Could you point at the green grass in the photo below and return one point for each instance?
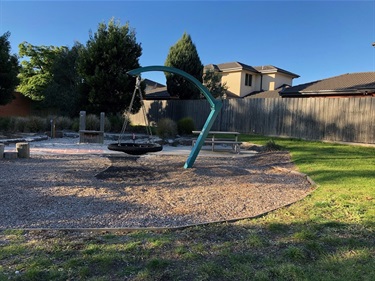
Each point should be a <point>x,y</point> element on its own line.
<point>327,236</point>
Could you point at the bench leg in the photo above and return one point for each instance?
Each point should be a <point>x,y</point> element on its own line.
<point>237,148</point>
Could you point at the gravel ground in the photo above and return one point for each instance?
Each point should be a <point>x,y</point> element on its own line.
<point>120,191</point>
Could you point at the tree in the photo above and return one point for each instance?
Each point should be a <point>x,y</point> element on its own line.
<point>183,55</point>
<point>109,54</point>
<point>212,80</point>
<point>36,71</point>
<point>8,70</point>
<point>62,92</point>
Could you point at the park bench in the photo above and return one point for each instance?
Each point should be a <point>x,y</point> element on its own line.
<point>213,139</point>
<point>90,136</point>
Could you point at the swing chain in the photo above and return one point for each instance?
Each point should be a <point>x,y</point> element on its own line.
<point>127,113</point>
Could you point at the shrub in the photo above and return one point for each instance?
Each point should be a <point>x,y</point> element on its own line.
<point>5,123</point>
<point>185,126</point>
<point>116,122</point>
<point>19,125</point>
<point>63,123</point>
<point>107,124</point>
<point>12,124</point>
<point>166,128</point>
<point>35,124</point>
<point>272,146</point>
<point>75,125</point>
<point>92,122</point>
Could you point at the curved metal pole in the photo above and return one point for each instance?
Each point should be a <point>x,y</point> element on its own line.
<point>215,106</point>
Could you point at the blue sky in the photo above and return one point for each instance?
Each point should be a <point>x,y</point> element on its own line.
<point>314,39</point>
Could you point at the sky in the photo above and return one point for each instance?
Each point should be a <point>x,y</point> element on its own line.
<point>313,39</point>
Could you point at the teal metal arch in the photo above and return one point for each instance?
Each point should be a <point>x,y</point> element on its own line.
<point>215,105</point>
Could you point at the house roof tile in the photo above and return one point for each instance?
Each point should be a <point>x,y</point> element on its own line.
<point>235,66</point>
<point>272,69</point>
<point>231,66</point>
<point>360,82</point>
<point>264,94</point>
<point>152,84</point>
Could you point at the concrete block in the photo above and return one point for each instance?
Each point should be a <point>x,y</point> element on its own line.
<point>23,149</point>
<point>10,154</point>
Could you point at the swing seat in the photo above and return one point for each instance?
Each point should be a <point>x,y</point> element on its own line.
<point>135,148</point>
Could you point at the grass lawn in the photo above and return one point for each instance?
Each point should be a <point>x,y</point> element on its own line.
<point>327,236</point>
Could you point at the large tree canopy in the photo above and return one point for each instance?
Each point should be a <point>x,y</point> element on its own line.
<point>183,55</point>
<point>8,70</point>
<point>62,93</point>
<point>36,71</point>
<point>109,54</point>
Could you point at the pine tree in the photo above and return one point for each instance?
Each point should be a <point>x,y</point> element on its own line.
<point>184,56</point>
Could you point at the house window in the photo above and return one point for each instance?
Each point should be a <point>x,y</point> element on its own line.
<point>248,79</point>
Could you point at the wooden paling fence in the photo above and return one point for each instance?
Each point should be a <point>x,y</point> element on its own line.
<point>330,119</point>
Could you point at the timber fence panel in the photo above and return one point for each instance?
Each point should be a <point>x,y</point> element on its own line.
<point>368,114</point>
<point>233,107</point>
<point>362,122</point>
<point>294,129</point>
<point>371,122</point>
<point>310,122</point>
<point>241,116</point>
<point>261,117</point>
<point>370,132</point>
<point>223,116</point>
<point>365,121</point>
<point>331,119</point>
<point>299,131</point>
<point>250,126</point>
<point>318,117</point>
<point>255,126</point>
<point>285,119</point>
<point>271,115</point>
<point>346,120</point>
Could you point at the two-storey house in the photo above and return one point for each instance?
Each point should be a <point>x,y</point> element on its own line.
<point>243,80</point>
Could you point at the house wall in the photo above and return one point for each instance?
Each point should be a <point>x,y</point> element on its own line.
<point>269,81</point>
<point>233,81</point>
<point>236,82</point>
<point>272,81</point>
<point>255,84</point>
<point>20,106</point>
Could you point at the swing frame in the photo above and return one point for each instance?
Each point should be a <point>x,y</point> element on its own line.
<point>135,148</point>
<point>215,105</point>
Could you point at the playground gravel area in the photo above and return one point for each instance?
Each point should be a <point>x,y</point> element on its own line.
<point>72,186</point>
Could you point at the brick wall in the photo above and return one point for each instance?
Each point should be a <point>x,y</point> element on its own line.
<point>20,106</point>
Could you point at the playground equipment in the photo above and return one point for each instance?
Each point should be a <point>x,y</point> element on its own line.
<point>214,104</point>
<point>135,148</point>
